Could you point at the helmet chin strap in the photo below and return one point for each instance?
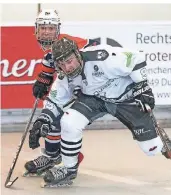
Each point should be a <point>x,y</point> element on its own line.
<point>77,71</point>
<point>46,44</point>
<point>71,75</point>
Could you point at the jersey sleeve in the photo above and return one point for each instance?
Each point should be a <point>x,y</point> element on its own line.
<point>128,63</point>
<point>139,69</point>
<point>60,92</point>
<point>48,64</point>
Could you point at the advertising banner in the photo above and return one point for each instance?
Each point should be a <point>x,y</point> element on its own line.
<point>21,56</point>
<point>20,63</point>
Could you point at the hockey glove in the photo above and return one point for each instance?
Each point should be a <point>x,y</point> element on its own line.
<point>42,86</point>
<point>77,91</point>
<point>41,128</point>
<point>143,95</point>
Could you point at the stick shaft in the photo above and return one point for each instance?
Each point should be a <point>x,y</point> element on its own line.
<point>21,143</point>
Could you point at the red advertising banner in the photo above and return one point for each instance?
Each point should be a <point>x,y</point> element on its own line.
<point>21,57</point>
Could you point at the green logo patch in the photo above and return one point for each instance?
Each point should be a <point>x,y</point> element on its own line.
<point>129,58</point>
<point>53,93</point>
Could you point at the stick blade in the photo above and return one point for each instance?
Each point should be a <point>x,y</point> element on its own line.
<point>10,183</point>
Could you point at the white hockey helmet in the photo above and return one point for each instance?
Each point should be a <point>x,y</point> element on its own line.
<point>47,27</point>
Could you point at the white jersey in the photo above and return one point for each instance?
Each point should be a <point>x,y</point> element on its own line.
<point>62,90</point>
<point>109,73</point>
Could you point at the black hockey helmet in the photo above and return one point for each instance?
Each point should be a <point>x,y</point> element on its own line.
<point>62,49</point>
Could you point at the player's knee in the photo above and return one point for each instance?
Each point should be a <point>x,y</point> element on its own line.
<point>151,147</point>
<point>72,123</point>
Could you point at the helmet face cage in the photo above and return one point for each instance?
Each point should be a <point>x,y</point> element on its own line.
<point>47,28</point>
<point>61,50</point>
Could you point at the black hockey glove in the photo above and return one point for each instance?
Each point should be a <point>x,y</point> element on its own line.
<point>143,95</point>
<point>42,86</point>
<point>41,128</point>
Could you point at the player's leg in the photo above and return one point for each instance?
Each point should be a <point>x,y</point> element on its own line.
<point>142,127</point>
<point>74,120</point>
<point>51,153</point>
<point>166,151</point>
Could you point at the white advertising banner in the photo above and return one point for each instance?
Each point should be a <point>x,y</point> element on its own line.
<point>152,38</point>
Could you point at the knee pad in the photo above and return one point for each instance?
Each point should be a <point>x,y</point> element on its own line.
<point>72,124</point>
<point>151,147</point>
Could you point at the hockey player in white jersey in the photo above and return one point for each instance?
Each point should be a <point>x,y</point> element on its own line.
<point>113,81</point>
<point>47,30</point>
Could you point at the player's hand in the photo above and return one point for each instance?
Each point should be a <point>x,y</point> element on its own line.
<point>77,91</point>
<point>144,96</point>
<point>41,128</point>
<point>42,86</point>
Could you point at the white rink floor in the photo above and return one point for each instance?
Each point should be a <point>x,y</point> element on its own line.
<point>113,164</point>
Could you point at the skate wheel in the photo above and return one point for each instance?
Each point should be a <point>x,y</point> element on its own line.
<point>46,185</point>
<point>69,183</point>
<point>25,174</point>
<point>43,184</point>
<point>40,173</point>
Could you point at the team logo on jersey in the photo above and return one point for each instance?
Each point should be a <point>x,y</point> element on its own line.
<point>53,93</point>
<point>96,72</point>
<point>49,105</point>
<point>102,55</point>
<point>129,58</point>
<point>96,68</point>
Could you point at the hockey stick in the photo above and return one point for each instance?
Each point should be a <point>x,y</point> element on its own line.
<point>70,101</point>
<point>9,183</point>
<point>161,132</point>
